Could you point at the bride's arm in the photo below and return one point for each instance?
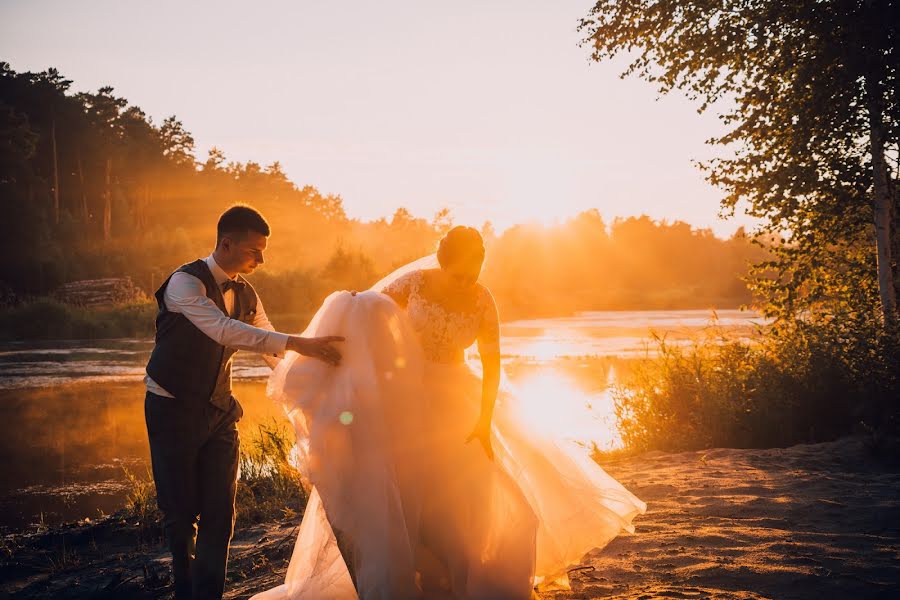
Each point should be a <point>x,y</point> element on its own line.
<point>490,364</point>
<point>489,350</point>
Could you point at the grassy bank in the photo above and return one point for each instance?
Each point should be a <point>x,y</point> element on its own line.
<point>46,319</point>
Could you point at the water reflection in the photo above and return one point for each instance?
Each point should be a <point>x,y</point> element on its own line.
<point>557,403</point>
<point>73,419</point>
<point>618,333</point>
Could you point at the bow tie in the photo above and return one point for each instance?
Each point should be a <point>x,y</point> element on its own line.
<point>232,284</point>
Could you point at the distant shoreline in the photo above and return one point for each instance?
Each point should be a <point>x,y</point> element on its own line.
<point>45,319</point>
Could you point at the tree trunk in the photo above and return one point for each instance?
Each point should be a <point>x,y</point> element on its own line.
<point>882,203</point>
<point>85,215</point>
<point>141,200</point>
<point>55,171</point>
<point>144,205</point>
<point>895,237</point>
<point>107,202</point>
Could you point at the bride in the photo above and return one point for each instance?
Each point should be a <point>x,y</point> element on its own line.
<point>427,480</point>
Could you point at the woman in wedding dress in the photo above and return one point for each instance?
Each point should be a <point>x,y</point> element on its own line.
<point>427,472</point>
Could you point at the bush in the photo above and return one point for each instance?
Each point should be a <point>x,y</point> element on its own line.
<point>799,382</point>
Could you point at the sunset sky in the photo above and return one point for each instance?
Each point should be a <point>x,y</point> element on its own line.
<point>488,108</point>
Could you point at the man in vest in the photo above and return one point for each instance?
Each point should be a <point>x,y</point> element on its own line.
<point>207,312</point>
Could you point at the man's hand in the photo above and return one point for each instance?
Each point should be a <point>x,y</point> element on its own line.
<point>318,347</point>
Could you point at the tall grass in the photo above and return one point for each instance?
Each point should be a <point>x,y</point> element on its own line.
<point>140,505</point>
<point>268,487</point>
<point>800,382</point>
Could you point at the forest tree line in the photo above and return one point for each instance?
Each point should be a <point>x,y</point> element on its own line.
<point>92,187</point>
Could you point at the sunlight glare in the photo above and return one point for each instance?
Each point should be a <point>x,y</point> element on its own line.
<point>553,402</point>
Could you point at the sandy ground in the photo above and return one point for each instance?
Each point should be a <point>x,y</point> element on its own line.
<point>811,521</point>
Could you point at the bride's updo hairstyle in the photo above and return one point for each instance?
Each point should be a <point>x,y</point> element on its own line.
<point>461,245</point>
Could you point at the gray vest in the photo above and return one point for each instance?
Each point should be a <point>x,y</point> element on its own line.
<point>185,361</point>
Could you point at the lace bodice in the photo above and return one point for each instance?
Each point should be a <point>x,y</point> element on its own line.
<point>446,334</point>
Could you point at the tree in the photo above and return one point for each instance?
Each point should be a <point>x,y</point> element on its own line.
<point>49,113</point>
<point>141,160</point>
<point>276,172</point>
<point>215,160</point>
<point>488,233</point>
<point>177,142</point>
<point>402,218</point>
<point>17,147</point>
<point>813,106</point>
<point>443,221</point>
<point>54,86</point>
<point>103,110</point>
<point>331,207</point>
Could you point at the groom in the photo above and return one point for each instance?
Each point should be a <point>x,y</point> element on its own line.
<point>207,312</point>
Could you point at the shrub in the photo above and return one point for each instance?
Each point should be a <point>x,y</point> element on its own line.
<point>800,382</point>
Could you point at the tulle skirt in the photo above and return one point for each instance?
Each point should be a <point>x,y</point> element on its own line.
<point>422,513</point>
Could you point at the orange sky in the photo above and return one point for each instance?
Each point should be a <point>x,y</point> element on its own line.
<point>488,108</point>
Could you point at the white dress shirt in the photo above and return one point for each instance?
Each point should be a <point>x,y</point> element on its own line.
<point>186,294</point>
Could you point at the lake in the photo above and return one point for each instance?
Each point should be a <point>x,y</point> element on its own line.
<point>72,412</point>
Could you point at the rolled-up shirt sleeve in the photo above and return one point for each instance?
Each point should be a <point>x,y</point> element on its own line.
<point>187,295</point>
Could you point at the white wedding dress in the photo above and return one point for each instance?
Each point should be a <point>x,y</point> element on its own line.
<point>426,515</point>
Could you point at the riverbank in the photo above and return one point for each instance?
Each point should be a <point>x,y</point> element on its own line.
<point>809,521</point>
<point>46,318</point>
<point>49,319</point>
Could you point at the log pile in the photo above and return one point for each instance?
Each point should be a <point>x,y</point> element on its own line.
<point>98,293</point>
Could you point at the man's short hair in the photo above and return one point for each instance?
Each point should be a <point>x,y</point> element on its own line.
<point>240,219</point>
